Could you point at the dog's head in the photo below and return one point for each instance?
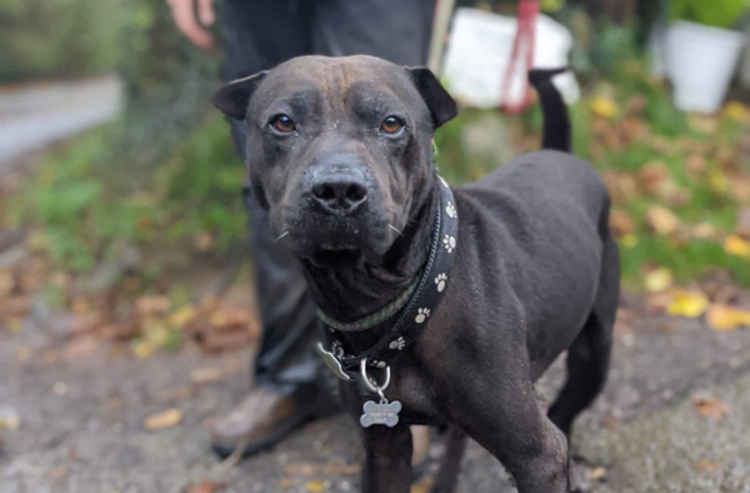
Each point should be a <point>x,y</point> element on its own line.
<point>339,150</point>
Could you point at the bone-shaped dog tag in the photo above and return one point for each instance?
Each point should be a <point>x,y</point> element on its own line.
<point>380,413</point>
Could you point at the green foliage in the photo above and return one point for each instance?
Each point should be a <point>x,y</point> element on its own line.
<point>53,38</point>
<point>81,215</point>
<point>717,13</point>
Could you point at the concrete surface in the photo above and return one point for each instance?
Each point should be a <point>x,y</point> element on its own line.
<point>81,421</point>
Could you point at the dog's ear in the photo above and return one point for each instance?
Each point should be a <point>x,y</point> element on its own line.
<point>441,104</point>
<point>234,97</point>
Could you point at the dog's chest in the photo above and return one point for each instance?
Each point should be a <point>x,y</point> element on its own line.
<point>411,387</point>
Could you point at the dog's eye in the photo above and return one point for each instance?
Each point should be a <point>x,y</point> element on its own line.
<point>392,125</point>
<point>283,124</point>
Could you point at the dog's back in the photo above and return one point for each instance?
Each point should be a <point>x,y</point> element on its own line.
<point>549,214</point>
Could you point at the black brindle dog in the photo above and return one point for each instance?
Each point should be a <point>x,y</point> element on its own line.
<point>340,152</point>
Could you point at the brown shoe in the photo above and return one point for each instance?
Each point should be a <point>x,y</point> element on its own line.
<point>264,418</point>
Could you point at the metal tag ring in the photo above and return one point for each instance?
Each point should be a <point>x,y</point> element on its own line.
<point>378,389</point>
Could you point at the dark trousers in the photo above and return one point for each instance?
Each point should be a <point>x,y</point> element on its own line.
<point>259,34</point>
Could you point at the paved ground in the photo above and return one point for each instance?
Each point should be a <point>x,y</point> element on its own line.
<point>81,421</point>
<point>32,116</point>
<point>78,407</point>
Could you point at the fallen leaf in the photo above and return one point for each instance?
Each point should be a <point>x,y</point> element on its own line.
<point>710,407</point>
<point>621,223</point>
<point>164,419</point>
<point>315,486</point>
<point>707,124</point>
<point>205,375</point>
<point>704,231</point>
<point>621,186</point>
<point>737,111</point>
<point>629,241</point>
<point>205,487</point>
<point>696,164</point>
<point>203,241</point>
<point>23,353</point>
<point>598,473</point>
<point>689,304</point>
<point>182,316</point>
<point>150,304</point>
<point>330,469</point>
<point>604,107</point>
<point>143,348</point>
<point>662,220</point>
<point>717,180</point>
<point>735,245</point>
<point>652,175</point>
<point>706,465</point>
<point>724,318</point>
<point>81,347</point>
<point>658,280</point>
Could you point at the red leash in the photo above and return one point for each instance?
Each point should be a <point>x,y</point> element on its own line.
<point>527,14</point>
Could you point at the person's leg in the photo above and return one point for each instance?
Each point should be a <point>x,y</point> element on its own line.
<point>396,30</point>
<point>257,36</point>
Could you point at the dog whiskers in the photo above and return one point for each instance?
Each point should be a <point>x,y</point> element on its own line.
<point>394,228</point>
<point>282,236</point>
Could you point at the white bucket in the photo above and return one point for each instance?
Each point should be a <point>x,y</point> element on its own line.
<point>479,50</point>
<point>700,63</point>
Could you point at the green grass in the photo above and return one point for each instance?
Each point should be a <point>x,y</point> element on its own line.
<point>80,215</point>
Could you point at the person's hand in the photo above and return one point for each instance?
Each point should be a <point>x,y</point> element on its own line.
<point>183,12</point>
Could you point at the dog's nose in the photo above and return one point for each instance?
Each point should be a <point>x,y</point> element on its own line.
<point>341,193</point>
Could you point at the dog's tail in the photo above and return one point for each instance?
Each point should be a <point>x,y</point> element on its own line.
<point>556,133</point>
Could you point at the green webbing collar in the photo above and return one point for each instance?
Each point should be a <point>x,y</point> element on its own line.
<point>374,319</point>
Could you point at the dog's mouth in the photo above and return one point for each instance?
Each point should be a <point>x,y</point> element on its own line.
<point>336,256</point>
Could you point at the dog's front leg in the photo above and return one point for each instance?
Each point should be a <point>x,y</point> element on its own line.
<point>387,459</point>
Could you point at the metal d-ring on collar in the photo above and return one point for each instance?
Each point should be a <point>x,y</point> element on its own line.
<point>378,389</point>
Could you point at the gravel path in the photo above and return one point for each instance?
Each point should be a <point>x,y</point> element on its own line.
<point>81,408</point>
<point>32,116</point>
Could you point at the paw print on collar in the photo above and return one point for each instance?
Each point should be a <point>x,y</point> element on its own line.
<point>422,315</point>
<point>398,344</point>
<point>450,210</point>
<point>440,281</point>
<point>449,242</point>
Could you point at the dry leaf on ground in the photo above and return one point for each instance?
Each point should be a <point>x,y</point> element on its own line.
<point>658,280</point>
<point>182,316</point>
<point>205,487</point>
<point>315,486</point>
<point>149,305</point>
<point>621,222</point>
<point>710,407</point>
<point>164,419</point>
<point>735,245</point>
<point>662,220</point>
<point>205,375</point>
<point>686,303</point>
<point>652,176</point>
<point>604,107</point>
<point>706,465</point>
<point>724,318</point>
